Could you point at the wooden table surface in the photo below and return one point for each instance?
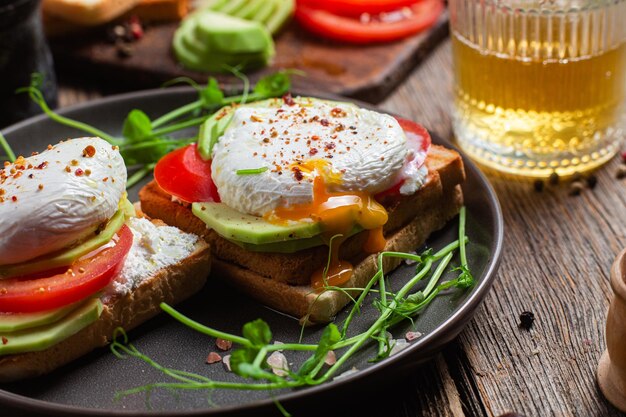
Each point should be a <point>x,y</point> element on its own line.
<point>558,250</point>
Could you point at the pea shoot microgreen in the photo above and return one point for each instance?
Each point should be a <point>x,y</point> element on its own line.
<point>144,141</point>
<point>249,359</point>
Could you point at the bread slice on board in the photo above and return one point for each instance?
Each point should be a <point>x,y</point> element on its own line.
<point>281,280</point>
<point>171,285</point>
<point>87,12</point>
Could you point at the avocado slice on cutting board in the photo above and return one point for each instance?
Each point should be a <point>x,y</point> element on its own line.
<point>245,228</point>
<point>42,337</point>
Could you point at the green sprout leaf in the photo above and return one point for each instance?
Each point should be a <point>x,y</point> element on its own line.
<point>212,95</point>
<point>257,332</point>
<point>330,336</point>
<point>137,126</point>
<point>272,85</point>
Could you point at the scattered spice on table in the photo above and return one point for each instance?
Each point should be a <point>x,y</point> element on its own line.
<point>526,320</point>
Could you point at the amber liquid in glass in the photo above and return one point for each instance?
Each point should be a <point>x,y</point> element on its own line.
<point>539,95</point>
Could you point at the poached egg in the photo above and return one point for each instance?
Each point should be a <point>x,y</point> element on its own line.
<point>53,199</point>
<point>357,149</point>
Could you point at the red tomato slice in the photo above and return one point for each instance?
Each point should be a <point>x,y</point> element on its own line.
<point>418,137</point>
<point>357,7</point>
<point>185,175</point>
<point>27,294</point>
<point>378,29</point>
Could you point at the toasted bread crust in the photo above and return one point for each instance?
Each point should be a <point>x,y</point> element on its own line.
<point>171,285</point>
<point>281,280</point>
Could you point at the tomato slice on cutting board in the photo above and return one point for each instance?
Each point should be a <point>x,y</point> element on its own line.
<point>80,280</point>
<point>357,7</point>
<point>185,175</point>
<point>376,28</point>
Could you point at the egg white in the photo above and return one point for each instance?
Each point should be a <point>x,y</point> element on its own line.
<point>60,197</point>
<point>365,148</point>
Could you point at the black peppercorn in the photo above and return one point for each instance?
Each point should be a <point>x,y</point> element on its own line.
<point>526,320</point>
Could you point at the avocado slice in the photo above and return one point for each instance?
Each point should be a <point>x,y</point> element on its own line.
<point>12,322</point>
<point>42,337</point>
<point>67,256</point>
<point>224,33</point>
<point>209,41</point>
<point>282,11</point>
<point>233,225</point>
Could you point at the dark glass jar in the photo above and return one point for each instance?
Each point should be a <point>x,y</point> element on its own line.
<point>23,51</point>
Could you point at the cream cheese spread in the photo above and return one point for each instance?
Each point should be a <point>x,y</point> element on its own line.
<point>365,149</point>
<point>50,200</point>
<point>153,248</point>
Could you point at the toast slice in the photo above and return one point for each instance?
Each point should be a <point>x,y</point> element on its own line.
<point>87,13</point>
<point>170,284</point>
<point>281,280</point>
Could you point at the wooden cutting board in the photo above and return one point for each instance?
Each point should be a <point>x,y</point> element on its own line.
<point>368,72</point>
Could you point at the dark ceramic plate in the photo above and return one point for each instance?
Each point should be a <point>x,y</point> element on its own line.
<point>88,386</point>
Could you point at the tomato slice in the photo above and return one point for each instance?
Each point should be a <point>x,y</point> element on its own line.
<point>418,138</point>
<point>357,7</point>
<point>379,28</point>
<point>87,276</point>
<point>185,175</point>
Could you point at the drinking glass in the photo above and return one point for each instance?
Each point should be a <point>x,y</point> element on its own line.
<point>539,85</point>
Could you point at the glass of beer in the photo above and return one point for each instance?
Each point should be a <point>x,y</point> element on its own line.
<point>540,86</point>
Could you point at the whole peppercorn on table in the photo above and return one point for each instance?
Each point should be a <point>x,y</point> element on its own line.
<point>533,346</point>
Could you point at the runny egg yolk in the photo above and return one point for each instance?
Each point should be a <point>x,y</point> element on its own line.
<point>338,213</point>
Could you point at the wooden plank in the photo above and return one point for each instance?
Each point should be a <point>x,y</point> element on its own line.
<point>557,255</point>
<point>367,72</point>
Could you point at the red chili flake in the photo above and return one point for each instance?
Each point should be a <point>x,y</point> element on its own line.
<point>42,165</point>
<point>223,344</point>
<point>115,147</point>
<point>31,176</point>
<point>14,198</point>
<point>337,112</point>
<point>624,157</point>
<point>324,122</point>
<point>34,153</point>
<point>266,140</point>
<point>329,145</point>
<point>105,179</point>
<point>68,169</point>
<point>74,162</point>
<point>288,100</point>
<point>136,30</point>
<point>2,191</point>
<point>40,187</point>
<point>89,151</point>
<point>79,172</point>
<point>315,137</point>
<point>313,151</point>
<point>297,173</point>
<point>49,147</point>
<point>213,357</point>
<point>4,340</point>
